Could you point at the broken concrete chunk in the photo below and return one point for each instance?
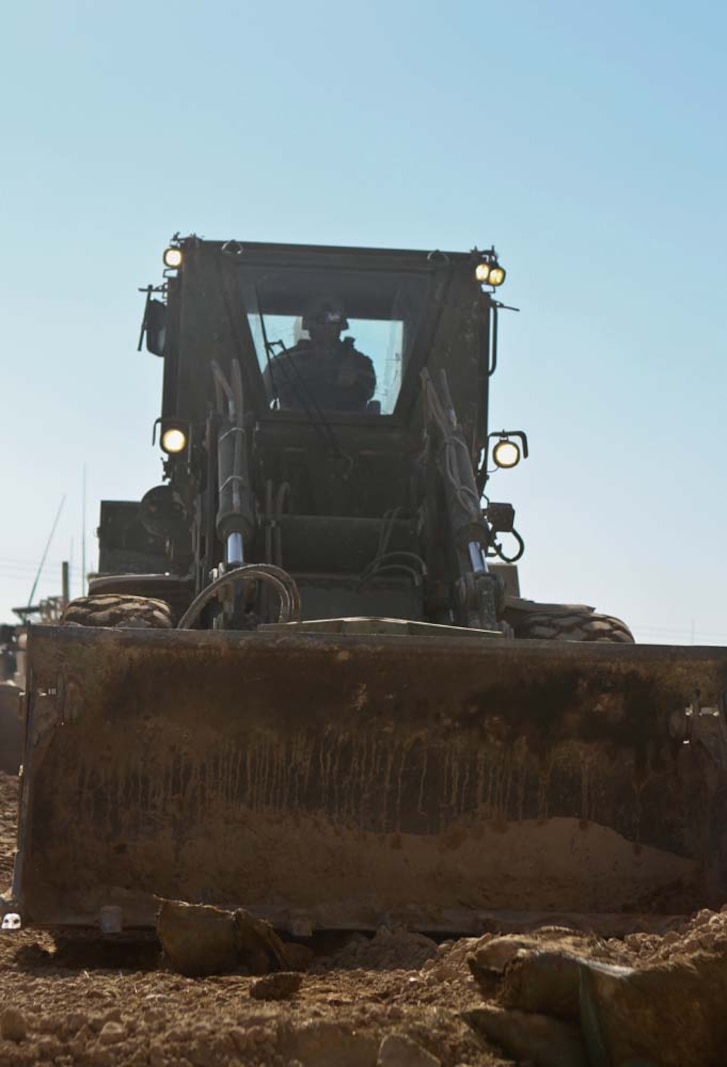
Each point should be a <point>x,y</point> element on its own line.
<point>669,1013</point>
<point>279,986</point>
<point>543,1041</point>
<point>259,949</point>
<point>494,954</point>
<point>545,982</point>
<point>199,940</point>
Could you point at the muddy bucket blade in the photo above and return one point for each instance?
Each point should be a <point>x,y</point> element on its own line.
<point>350,779</point>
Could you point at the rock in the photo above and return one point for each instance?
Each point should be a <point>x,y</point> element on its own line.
<point>493,954</point>
<point>111,1033</point>
<point>47,1048</point>
<point>259,949</point>
<point>100,1057</point>
<point>278,986</point>
<point>323,1043</point>
<point>73,1021</point>
<point>399,1050</point>
<point>545,982</point>
<point>13,1026</point>
<point>85,1034</point>
<point>543,1041</point>
<point>197,939</point>
<point>671,1014</point>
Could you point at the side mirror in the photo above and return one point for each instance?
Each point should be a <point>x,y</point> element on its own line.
<point>154,325</point>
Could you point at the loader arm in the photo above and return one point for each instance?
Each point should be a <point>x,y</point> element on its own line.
<point>478,596</point>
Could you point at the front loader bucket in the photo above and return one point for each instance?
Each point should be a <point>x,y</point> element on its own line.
<point>348,780</point>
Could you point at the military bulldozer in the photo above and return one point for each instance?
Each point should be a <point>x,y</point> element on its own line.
<point>304,680</point>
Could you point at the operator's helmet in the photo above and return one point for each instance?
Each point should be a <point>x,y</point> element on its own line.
<point>325,313</point>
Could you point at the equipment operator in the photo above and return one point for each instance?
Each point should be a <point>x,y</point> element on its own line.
<point>323,372</point>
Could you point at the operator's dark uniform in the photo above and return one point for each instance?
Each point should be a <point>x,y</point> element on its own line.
<point>309,377</point>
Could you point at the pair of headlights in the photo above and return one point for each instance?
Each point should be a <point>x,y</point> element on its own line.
<point>505,453</point>
<point>173,438</point>
<point>490,273</point>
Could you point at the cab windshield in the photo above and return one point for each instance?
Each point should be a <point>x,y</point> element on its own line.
<point>379,312</point>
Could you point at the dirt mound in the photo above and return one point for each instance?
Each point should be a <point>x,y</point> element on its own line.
<point>388,950</point>
<point>571,999</point>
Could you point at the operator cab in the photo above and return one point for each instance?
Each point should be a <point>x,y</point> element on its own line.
<point>299,424</point>
<point>403,310</point>
<point>380,315</point>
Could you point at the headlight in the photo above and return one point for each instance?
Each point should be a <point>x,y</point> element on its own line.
<point>506,453</point>
<point>173,258</point>
<point>173,440</point>
<point>482,272</point>
<point>496,275</point>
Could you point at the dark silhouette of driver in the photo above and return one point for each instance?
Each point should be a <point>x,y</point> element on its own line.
<point>322,372</point>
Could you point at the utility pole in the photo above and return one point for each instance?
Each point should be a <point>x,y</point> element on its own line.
<point>66,585</point>
<point>83,535</point>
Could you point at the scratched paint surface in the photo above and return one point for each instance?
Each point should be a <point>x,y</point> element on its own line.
<point>359,777</point>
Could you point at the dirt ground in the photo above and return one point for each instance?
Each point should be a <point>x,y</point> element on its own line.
<point>395,1000</point>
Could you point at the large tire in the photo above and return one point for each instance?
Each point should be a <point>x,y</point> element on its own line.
<point>118,610</point>
<point>570,623</point>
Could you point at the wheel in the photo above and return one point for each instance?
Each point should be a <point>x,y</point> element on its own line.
<point>118,610</point>
<point>567,623</point>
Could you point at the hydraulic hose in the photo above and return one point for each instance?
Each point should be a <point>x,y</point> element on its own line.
<point>281,581</point>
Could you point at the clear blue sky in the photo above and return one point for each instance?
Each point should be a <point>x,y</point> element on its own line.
<point>586,141</point>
